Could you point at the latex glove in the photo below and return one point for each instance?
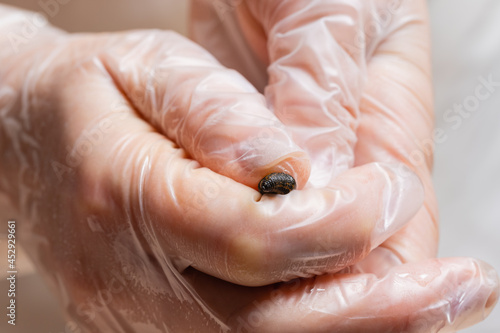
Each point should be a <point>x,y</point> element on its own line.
<point>128,158</point>
<point>337,72</point>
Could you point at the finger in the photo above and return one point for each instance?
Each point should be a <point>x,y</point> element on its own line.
<point>396,120</point>
<point>315,77</point>
<point>222,228</point>
<point>211,112</point>
<point>438,295</point>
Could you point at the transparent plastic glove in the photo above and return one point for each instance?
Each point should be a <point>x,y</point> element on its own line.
<point>352,79</point>
<point>131,164</point>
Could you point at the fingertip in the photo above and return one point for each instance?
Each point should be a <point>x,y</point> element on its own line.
<point>491,282</point>
<point>472,288</point>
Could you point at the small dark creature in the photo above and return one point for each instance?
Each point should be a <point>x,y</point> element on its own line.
<point>277,183</point>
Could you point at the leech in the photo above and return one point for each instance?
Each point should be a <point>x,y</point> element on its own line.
<point>277,183</point>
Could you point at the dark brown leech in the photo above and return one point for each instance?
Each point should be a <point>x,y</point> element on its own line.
<point>277,183</point>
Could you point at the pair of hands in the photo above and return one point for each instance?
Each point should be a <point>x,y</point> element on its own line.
<point>132,160</point>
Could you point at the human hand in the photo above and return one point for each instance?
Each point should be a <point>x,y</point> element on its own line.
<point>362,71</point>
<point>130,158</point>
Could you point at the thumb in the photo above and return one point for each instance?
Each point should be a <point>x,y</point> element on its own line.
<point>211,112</point>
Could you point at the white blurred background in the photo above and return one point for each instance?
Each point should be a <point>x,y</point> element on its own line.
<point>466,49</point>
<point>466,43</point>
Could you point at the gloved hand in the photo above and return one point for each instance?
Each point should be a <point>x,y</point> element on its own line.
<point>119,188</point>
<point>352,81</point>
<point>130,157</point>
